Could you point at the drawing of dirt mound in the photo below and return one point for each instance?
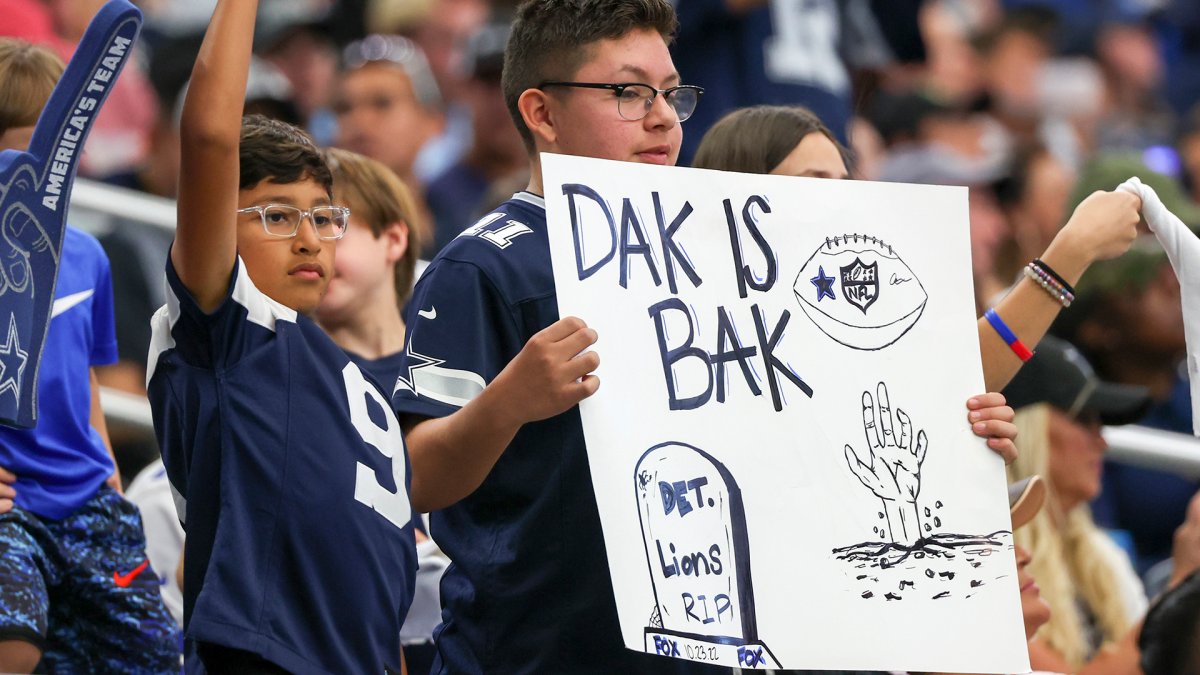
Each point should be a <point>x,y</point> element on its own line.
<point>936,567</point>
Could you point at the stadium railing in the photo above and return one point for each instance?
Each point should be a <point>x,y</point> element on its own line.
<point>95,207</point>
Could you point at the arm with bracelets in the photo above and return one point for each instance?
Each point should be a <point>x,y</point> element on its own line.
<point>1103,226</point>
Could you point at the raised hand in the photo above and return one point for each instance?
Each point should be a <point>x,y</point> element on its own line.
<point>1104,224</point>
<point>551,374</point>
<point>892,466</point>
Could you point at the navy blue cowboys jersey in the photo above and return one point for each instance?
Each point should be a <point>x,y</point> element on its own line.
<point>528,590</point>
<point>291,479</point>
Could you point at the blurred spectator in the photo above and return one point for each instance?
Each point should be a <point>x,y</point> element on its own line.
<point>444,35</point>
<point>306,54</point>
<point>1094,595</point>
<point>953,67</point>
<point>1033,196</point>
<point>932,143</point>
<point>1136,112</point>
<point>1128,321</point>
<point>395,16</point>
<point>177,17</point>
<point>496,151</point>
<point>1014,54</point>
<point>173,18</point>
<point>750,52</point>
<point>1183,70</point>
<point>1189,152</point>
<point>867,151</point>
<point>442,29</point>
<point>158,173</point>
<point>388,105</point>
<point>268,93</point>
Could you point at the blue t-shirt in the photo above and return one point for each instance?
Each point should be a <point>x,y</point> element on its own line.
<point>529,589</point>
<point>62,461</point>
<point>789,52</point>
<point>291,479</point>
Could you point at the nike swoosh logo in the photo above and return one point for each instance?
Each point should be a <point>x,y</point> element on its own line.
<point>68,301</point>
<point>430,313</point>
<point>123,580</point>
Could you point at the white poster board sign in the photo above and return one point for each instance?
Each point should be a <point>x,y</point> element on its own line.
<point>779,447</point>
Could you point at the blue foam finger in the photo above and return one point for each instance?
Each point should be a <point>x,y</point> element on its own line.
<point>35,188</point>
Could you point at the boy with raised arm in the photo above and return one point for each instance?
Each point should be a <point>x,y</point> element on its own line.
<point>529,590</point>
<point>290,471</point>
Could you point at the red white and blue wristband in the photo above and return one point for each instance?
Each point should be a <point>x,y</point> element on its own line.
<point>1008,336</point>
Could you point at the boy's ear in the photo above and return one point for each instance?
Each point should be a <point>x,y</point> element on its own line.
<point>394,238</point>
<point>534,105</point>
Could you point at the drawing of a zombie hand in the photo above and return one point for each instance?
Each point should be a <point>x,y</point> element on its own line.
<point>891,467</point>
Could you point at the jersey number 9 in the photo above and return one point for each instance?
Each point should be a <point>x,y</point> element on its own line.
<point>387,440</point>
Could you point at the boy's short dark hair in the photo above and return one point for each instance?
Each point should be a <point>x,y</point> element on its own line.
<point>551,39</point>
<point>277,151</point>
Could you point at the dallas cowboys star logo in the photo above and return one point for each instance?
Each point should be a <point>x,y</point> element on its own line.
<point>824,285</point>
<point>11,355</point>
<point>416,362</point>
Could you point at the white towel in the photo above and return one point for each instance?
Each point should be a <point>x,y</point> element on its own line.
<point>1183,248</point>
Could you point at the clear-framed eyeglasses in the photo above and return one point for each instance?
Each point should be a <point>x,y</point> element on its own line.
<point>283,221</point>
<point>634,99</point>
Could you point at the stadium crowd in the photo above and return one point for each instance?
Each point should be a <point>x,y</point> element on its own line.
<point>1032,104</point>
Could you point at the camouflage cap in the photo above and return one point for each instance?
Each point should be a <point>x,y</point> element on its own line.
<point>1108,170</point>
<point>1131,272</point>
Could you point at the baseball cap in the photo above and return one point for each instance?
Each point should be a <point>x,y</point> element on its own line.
<point>1059,375</point>
<point>1025,498</point>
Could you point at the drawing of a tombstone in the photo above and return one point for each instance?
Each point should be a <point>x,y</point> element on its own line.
<point>694,532</point>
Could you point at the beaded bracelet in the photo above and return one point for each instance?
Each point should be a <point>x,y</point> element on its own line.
<point>1041,264</point>
<point>1063,294</point>
<point>1008,336</point>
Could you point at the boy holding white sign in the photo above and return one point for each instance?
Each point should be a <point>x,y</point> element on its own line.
<point>505,467</point>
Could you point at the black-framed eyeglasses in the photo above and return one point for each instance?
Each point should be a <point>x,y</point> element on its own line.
<point>634,99</point>
<point>281,220</point>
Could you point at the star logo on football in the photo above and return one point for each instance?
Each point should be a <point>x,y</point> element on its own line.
<point>824,285</point>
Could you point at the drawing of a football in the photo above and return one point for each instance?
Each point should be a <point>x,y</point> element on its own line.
<point>858,291</point>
